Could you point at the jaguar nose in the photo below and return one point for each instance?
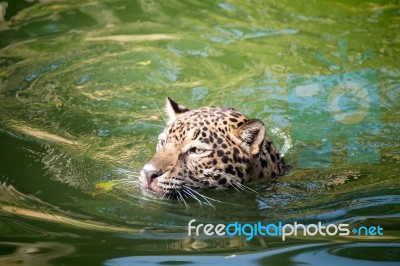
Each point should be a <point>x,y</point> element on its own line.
<point>150,174</point>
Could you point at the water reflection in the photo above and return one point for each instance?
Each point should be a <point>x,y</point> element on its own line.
<point>39,253</point>
<point>15,204</point>
<point>308,254</point>
<point>81,88</point>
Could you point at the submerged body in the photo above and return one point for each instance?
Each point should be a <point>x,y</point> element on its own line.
<point>208,148</point>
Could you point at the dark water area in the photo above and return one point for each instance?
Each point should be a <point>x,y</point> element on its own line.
<point>82,95</point>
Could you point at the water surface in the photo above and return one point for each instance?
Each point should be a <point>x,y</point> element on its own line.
<point>82,90</point>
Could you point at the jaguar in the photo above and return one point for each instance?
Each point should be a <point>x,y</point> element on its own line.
<point>208,148</point>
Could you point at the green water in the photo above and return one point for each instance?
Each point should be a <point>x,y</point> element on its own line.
<point>82,84</point>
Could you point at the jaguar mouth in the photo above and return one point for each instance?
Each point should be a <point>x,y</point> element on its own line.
<point>181,192</point>
<point>152,187</point>
<point>149,185</point>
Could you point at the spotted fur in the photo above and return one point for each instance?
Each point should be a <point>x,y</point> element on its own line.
<point>209,148</point>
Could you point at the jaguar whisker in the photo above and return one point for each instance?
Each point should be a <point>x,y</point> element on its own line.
<point>192,195</point>
<point>244,187</point>
<point>207,199</point>
<point>235,186</point>
<point>183,199</point>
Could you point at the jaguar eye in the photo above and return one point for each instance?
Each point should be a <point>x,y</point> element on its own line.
<point>195,150</point>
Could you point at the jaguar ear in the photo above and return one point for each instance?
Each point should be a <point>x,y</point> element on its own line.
<point>174,109</point>
<point>251,134</point>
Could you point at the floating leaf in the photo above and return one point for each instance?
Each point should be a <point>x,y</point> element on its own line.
<point>103,187</point>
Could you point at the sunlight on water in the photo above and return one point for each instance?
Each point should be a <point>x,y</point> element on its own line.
<point>82,94</point>
<point>309,254</point>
